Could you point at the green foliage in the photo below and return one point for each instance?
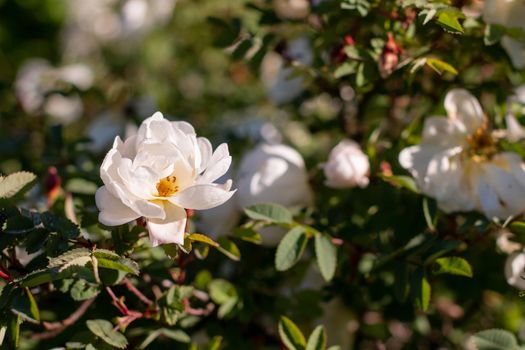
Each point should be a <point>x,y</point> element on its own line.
<point>291,335</point>
<point>291,248</point>
<point>15,183</point>
<point>453,266</point>
<point>104,330</point>
<point>271,213</point>
<point>326,254</point>
<point>495,339</point>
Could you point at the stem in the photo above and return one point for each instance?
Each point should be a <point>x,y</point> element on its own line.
<point>118,304</point>
<point>137,292</point>
<point>55,328</point>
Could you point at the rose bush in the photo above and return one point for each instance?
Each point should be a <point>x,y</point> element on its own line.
<point>376,151</point>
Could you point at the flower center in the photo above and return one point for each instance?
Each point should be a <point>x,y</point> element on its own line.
<point>481,145</point>
<point>167,186</point>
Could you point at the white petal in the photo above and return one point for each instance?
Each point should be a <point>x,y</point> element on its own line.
<point>442,132</point>
<point>202,197</point>
<point>169,230</point>
<point>463,107</point>
<point>514,269</point>
<point>112,211</point>
<point>218,165</point>
<point>515,131</point>
<point>206,152</point>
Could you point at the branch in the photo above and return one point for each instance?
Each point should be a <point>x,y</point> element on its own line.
<point>118,304</point>
<point>55,328</point>
<point>137,292</point>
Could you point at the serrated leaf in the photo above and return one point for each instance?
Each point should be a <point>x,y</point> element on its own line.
<point>326,254</point>
<point>228,248</point>
<point>25,306</point>
<point>448,19</point>
<point>317,340</point>
<point>290,249</point>
<point>14,183</point>
<point>454,266</point>
<point>495,339</point>
<point>197,237</point>
<point>121,264</point>
<point>291,335</point>
<point>59,224</point>
<point>18,224</point>
<point>36,278</point>
<point>269,212</point>
<point>104,330</point>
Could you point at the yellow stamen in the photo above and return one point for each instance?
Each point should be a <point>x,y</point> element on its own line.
<point>167,186</point>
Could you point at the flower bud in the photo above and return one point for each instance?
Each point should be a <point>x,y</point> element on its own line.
<point>347,166</point>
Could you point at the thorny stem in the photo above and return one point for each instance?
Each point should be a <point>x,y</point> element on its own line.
<point>117,302</point>
<point>137,292</point>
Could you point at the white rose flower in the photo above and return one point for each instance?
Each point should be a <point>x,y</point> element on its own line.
<point>510,14</point>
<point>273,173</point>
<point>291,9</point>
<point>159,173</point>
<point>514,269</point>
<point>459,165</point>
<point>347,166</point>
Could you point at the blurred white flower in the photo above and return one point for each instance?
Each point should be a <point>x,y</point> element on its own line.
<point>95,23</point>
<point>505,243</point>
<point>37,85</point>
<point>159,173</point>
<point>515,131</point>
<point>459,165</point>
<point>347,166</point>
<point>291,9</point>
<point>278,76</point>
<point>273,173</point>
<point>509,13</point>
<point>514,269</point>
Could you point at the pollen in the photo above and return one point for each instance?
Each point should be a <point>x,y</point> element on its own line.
<point>167,186</point>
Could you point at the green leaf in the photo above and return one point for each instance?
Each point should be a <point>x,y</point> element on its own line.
<point>75,257</point>
<point>495,339</point>
<point>59,224</point>
<point>421,289</point>
<point>269,212</point>
<point>36,278</point>
<point>317,340</point>
<point>449,20</point>
<point>453,266</point>
<point>221,291</point>
<point>517,227</point>
<point>402,181</point>
<point>401,285</point>
<point>82,290</point>
<point>228,248</point>
<point>290,248</point>
<point>215,343</point>
<point>248,234</point>
<point>291,335</point>
<point>335,347</point>
<point>18,224</point>
<point>197,237</point>
<point>14,183</point>
<point>104,330</point>
<point>121,264</point>
<point>493,34</point>
<point>326,253</point>
<point>440,66</point>
<point>177,335</point>
<point>81,186</point>
<point>25,306</point>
